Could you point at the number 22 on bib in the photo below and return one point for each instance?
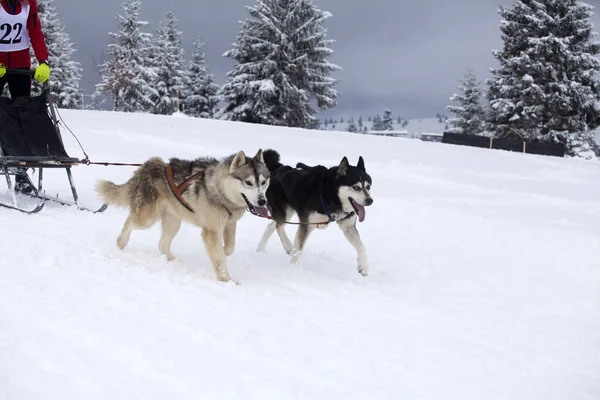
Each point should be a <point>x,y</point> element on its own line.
<point>13,30</point>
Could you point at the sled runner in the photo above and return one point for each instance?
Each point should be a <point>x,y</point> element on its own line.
<point>30,138</point>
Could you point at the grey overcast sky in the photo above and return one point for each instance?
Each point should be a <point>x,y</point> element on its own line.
<point>405,55</point>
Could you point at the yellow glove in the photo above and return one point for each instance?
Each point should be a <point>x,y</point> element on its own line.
<point>2,70</point>
<point>42,73</point>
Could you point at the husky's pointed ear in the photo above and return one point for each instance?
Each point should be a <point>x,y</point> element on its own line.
<point>361,164</point>
<point>238,161</point>
<point>343,167</point>
<point>259,156</point>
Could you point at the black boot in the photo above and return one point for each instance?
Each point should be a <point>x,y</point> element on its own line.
<point>23,183</point>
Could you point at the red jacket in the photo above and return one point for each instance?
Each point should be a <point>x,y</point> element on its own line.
<point>22,58</point>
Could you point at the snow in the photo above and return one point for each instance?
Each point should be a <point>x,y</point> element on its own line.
<point>483,281</point>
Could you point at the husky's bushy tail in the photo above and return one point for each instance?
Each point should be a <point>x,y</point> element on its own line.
<point>271,158</point>
<point>138,191</point>
<point>113,194</point>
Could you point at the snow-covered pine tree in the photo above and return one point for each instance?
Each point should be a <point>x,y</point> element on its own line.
<point>470,114</point>
<point>281,66</point>
<point>66,72</point>
<point>360,122</point>
<point>545,87</point>
<point>315,124</point>
<point>201,97</point>
<point>387,122</point>
<point>352,127</point>
<point>127,75</point>
<point>583,145</point>
<point>167,61</point>
<point>378,124</point>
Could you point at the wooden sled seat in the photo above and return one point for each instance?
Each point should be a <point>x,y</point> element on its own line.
<point>37,162</point>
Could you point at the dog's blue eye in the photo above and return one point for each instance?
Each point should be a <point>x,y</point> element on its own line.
<point>357,188</point>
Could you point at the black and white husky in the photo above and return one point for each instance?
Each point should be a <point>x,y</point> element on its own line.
<point>319,196</point>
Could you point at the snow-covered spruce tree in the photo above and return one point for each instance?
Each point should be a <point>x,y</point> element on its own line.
<point>201,97</point>
<point>470,114</point>
<point>127,75</point>
<point>378,124</point>
<point>167,61</point>
<point>583,145</point>
<point>387,122</point>
<point>66,72</point>
<point>545,87</point>
<point>281,66</point>
<point>315,125</point>
<point>352,127</point>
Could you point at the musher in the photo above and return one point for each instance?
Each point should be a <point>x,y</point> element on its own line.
<point>20,27</point>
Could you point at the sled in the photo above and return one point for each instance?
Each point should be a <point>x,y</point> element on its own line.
<point>30,138</point>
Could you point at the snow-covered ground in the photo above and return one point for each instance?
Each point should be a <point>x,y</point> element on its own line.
<point>484,281</point>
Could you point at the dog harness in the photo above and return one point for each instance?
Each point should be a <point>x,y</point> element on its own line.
<point>331,219</point>
<point>14,35</point>
<point>179,190</point>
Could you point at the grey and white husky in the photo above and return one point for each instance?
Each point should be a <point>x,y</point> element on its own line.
<point>209,193</point>
<point>318,195</point>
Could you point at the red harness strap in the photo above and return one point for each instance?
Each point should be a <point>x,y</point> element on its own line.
<point>178,190</point>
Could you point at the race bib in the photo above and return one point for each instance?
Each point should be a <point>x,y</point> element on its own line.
<point>13,30</point>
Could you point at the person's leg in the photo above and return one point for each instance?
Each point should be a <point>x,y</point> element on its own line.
<point>20,86</point>
<point>2,84</point>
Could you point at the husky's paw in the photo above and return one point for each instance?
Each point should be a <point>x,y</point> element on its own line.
<point>169,257</point>
<point>223,277</point>
<point>363,263</point>
<point>228,251</point>
<point>363,269</point>
<point>122,242</point>
<point>295,256</point>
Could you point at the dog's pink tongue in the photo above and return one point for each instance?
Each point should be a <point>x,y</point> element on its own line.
<point>262,211</point>
<point>361,212</point>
